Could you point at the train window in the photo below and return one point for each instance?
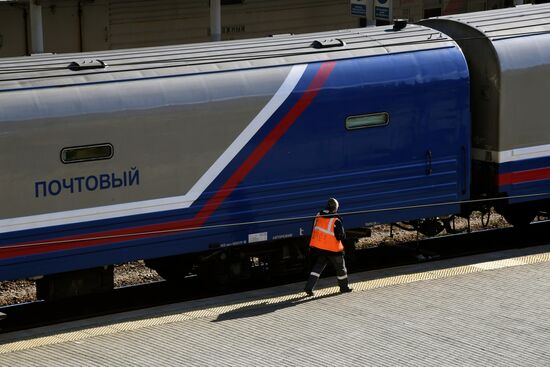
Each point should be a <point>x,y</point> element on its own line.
<point>86,153</point>
<point>370,120</point>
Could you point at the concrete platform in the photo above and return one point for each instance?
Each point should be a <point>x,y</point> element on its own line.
<point>483,310</point>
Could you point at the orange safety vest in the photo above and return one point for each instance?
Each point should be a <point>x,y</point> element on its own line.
<point>323,235</point>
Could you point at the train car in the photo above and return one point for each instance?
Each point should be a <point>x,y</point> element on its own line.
<point>192,150</point>
<point>508,54</point>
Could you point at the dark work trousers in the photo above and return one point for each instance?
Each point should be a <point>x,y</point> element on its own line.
<point>323,257</point>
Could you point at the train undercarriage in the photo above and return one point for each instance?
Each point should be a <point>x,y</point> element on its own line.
<point>265,261</point>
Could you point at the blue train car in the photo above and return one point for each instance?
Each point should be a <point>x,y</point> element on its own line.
<point>176,151</point>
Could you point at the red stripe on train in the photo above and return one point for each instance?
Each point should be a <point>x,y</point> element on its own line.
<point>126,234</point>
<point>523,176</point>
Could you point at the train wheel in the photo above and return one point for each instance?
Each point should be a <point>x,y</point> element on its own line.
<point>173,268</point>
<point>75,283</point>
<point>519,215</point>
<point>224,267</point>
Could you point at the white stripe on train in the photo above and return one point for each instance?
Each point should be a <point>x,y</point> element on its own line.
<point>512,155</point>
<point>170,203</point>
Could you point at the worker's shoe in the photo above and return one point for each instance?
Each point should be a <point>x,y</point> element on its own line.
<point>345,289</point>
<point>309,292</point>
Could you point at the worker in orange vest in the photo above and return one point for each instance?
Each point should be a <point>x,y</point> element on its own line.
<point>326,245</point>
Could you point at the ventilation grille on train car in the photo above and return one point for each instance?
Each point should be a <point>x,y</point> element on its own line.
<point>327,43</point>
<point>399,24</point>
<point>86,65</point>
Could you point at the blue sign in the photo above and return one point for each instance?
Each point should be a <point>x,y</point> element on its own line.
<point>359,10</point>
<point>381,13</point>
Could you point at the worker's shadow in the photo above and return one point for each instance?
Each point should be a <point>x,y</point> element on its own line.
<point>265,308</point>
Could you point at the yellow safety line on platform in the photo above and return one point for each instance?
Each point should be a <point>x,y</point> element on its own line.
<point>76,336</point>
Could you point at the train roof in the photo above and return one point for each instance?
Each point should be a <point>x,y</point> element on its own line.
<point>518,21</point>
<point>46,70</point>
<point>508,53</point>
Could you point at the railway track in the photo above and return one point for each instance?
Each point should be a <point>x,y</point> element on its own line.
<point>40,313</point>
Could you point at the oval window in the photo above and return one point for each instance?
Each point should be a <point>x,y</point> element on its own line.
<point>86,153</point>
<point>369,120</point>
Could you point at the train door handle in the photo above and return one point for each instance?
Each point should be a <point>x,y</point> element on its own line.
<point>428,162</point>
<point>465,170</point>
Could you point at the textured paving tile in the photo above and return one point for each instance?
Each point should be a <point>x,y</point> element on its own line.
<point>481,313</point>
